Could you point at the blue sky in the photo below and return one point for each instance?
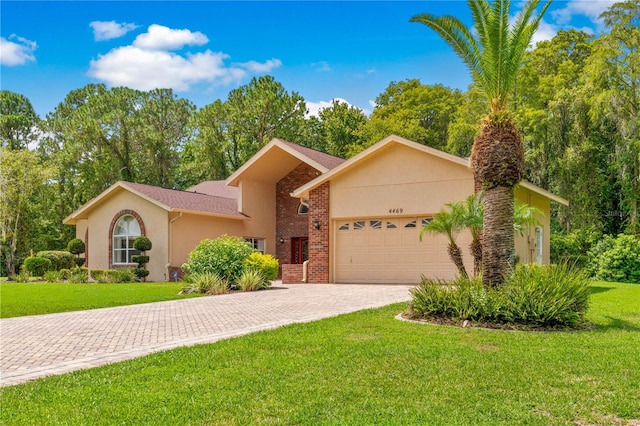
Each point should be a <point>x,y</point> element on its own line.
<point>203,49</point>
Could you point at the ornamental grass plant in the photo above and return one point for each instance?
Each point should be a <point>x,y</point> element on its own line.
<point>536,296</point>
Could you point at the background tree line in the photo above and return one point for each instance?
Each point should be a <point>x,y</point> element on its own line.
<point>576,105</point>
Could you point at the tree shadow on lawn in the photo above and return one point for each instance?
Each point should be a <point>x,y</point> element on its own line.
<point>617,324</point>
<point>599,289</point>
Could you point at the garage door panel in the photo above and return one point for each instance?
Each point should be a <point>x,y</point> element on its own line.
<point>388,251</point>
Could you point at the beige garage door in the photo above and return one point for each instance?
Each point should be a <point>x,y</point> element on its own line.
<point>388,250</point>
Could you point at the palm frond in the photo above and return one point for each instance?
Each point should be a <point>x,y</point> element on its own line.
<point>456,35</point>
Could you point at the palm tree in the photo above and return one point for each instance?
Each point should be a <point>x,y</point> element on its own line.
<point>472,219</point>
<point>524,215</point>
<point>493,52</point>
<point>449,223</point>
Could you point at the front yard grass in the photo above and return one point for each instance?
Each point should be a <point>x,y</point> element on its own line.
<point>19,299</point>
<point>366,368</point>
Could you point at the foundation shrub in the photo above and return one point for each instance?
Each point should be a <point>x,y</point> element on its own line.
<point>205,282</point>
<point>266,264</point>
<point>59,259</point>
<point>79,276</point>
<point>21,277</point>
<point>617,259</point>
<point>124,275</point>
<point>223,256</point>
<point>37,266</point>
<point>534,295</point>
<point>52,276</point>
<point>64,274</point>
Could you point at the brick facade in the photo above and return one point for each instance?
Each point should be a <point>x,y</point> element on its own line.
<point>290,224</point>
<point>292,274</point>
<point>318,271</point>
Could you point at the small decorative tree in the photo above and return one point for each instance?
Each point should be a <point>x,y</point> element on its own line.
<point>77,247</point>
<point>142,244</point>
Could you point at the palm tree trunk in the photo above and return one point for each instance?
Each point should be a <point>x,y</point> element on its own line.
<point>498,236</point>
<point>456,257</point>
<point>476,251</point>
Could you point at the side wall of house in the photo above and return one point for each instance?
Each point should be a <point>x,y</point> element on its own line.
<point>527,243</point>
<point>102,216</point>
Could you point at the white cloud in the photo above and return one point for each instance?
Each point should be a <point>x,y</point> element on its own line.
<point>159,37</point>
<point>257,67</point>
<point>103,30</point>
<point>314,108</point>
<point>149,63</point>
<point>322,66</point>
<point>17,52</point>
<point>589,8</point>
<point>544,32</point>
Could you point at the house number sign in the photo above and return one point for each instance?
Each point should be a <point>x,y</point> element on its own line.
<point>395,210</point>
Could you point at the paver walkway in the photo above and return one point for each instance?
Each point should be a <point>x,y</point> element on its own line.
<point>37,346</point>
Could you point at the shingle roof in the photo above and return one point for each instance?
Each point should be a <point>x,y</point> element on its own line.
<point>218,188</point>
<point>184,200</point>
<point>327,160</point>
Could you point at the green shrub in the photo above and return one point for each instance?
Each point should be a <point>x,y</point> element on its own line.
<point>535,295</point>
<point>79,276</point>
<point>596,252</point>
<point>142,244</point>
<point>124,275</point>
<point>572,247</point>
<point>206,282</point>
<point>79,261</point>
<point>52,276</point>
<point>140,273</point>
<point>59,259</point>
<point>620,260</point>
<point>76,246</point>
<point>96,274</point>
<point>37,266</point>
<point>266,264</point>
<point>252,279</point>
<point>545,296</point>
<point>140,259</point>
<point>21,277</point>
<point>64,274</point>
<point>223,256</point>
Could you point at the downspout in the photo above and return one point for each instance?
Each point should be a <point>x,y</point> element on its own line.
<point>304,271</point>
<point>171,245</point>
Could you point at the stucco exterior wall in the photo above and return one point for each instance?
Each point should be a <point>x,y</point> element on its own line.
<point>155,223</point>
<point>526,244</point>
<point>187,230</point>
<point>400,180</point>
<point>257,199</point>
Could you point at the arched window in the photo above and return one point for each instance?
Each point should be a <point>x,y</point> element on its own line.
<point>125,231</point>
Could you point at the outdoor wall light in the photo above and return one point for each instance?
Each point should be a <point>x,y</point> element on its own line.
<point>316,224</point>
<point>281,240</point>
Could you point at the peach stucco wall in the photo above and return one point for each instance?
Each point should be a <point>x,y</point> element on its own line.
<point>399,178</point>
<point>404,183</point>
<point>155,222</point>
<point>188,230</point>
<point>526,243</point>
<point>257,199</point>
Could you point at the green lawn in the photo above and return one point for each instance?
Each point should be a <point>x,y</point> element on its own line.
<point>365,368</point>
<point>18,299</point>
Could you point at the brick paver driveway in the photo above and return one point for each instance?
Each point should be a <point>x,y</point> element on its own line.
<point>38,346</point>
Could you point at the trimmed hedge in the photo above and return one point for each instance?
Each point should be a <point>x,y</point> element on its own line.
<point>59,259</point>
<point>37,266</point>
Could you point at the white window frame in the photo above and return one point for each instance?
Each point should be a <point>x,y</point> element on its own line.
<point>128,238</point>
<point>258,244</point>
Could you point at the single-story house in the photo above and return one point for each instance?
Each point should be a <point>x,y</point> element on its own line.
<point>326,219</point>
